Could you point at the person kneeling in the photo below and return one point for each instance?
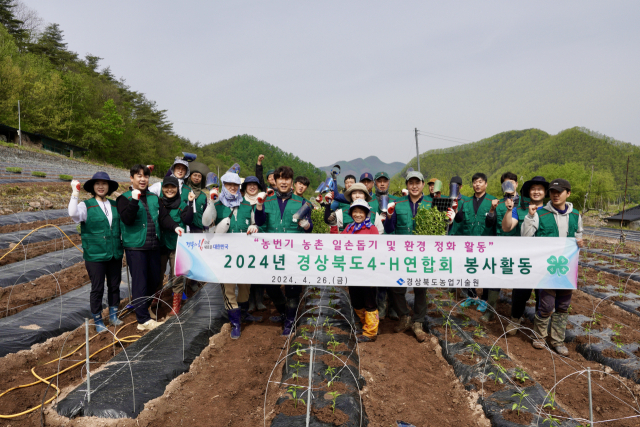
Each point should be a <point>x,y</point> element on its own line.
<point>363,298</point>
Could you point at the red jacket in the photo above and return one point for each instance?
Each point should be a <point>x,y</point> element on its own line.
<point>363,230</point>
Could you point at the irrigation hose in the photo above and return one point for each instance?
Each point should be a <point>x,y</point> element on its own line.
<point>33,231</point>
<point>129,339</point>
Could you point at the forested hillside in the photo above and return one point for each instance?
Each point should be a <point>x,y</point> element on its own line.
<point>358,166</point>
<point>570,154</point>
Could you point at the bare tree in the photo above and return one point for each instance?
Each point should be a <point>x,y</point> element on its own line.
<point>32,23</point>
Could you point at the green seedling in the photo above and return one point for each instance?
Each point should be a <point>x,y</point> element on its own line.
<point>521,375</point>
<point>479,331</point>
<point>551,420</point>
<point>474,347</point>
<point>597,317</point>
<point>519,406</point>
<point>330,371</point>
<point>496,378</point>
<point>496,354</point>
<point>617,329</point>
<point>453,333</point>
<point>333,379</point>
<point>334,344</point>
<point>552,402</point>
<point>297,367</point>
<point>14,170</point>
<point>294,393</point>
<point>452,296</point>
<point>334,395</point>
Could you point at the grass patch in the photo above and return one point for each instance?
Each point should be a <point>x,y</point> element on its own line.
<point>14,170</point>
<point>40,174</point>
<point>66,177</point>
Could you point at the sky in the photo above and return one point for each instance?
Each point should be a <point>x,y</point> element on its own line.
<point>337,80</point>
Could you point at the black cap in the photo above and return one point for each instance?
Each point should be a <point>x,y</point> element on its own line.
<point>560,185</point>
<point>171,180</point>
<point>456,179</point>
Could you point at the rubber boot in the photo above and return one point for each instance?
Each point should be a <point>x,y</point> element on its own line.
<point>558,328</point>
<point>177,304</point>
<point>403,325</point>
<point>234,319</point>
<point>383,304</point>
<point>113,316</point>
<point>513,326</point>
<point>252,301</point>
<point>369,327</point>
<point>421,335</point>
<point>290,320</point>
<point>280,317</point>
<point>259,296</point>
<point>97,320</point>
<point>492,301</point>
<point>245,316</point>
<point>540,328</point>
<point>361,315</point>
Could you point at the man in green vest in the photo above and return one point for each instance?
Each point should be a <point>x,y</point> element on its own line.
<point>400,220</point>
<point>557,219</point>
<point>535,190</point>
<point>138,209</point>
<point>276,215</point>
<point>271,182</point>
<point>470,219</point>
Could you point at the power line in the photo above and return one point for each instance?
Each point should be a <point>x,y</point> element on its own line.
<point>443,139</point>
<point>427,133</point>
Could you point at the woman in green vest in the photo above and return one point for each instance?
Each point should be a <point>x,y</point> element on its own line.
<point>101,243</point>
<point>174,215</point>
<point>250,189</point>
<point>196,184</point>
<point>231,213</point>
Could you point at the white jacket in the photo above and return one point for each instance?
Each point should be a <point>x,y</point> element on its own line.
<point>531,223</point>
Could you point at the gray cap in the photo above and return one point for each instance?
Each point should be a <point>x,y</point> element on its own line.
<point>414,174</point>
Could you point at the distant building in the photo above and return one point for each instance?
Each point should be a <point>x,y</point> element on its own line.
<point>631,218</point>
<point>10,134</point>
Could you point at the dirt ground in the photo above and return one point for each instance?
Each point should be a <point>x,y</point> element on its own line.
<point>33,250</point>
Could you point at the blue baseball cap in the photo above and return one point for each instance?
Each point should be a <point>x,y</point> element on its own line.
<point>366,175</point>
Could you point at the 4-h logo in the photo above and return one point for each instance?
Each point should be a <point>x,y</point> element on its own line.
<point>558,265</point>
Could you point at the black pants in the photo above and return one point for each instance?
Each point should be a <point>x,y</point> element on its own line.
<point>398,298</point>
<point>112,270</point>
<point>519,298</point>
<point>291,293</point>
<point>363,297</point>
<point>146,277</point>
<point>194,229</point>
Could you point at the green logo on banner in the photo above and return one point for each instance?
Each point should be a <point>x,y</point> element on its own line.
<point>558,265</point>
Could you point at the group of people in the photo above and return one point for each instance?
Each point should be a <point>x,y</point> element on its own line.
<point>144,224</point>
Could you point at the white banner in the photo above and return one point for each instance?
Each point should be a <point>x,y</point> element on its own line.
<point>380,260</point>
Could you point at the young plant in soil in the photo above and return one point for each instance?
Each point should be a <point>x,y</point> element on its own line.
<point>334,395</point>
<point>519,406</point>
<point>333,344</point>
<point>553,421</point>
<point>474,347</point>
<point>552,402</point>
<point>297,367</point>
<point>294,395</point>
<point>521,375</point>
<point>479,332</point>
<point>496,354</point>
<point>496,378</point>
<point>330,371</point>
<point>298,349</point>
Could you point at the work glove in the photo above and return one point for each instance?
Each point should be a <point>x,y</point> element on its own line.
<point>329,197</point>
<point>151,168</point>
<point>405,192</point>
<point>179,231</point>
<point>333,220</point>
<point>192,196</point>
<point>252,229</point>
<point>262,196</point>
<point>135,194</point>
<point>391,208</point>
<point>270,192</point>
<point>213,194</point>
<point>75,188</point>
<point>450,215</point>
<point>304,223</point>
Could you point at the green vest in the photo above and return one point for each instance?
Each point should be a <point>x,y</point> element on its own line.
<point>169,239</point>
<point>100,241</point>
<point>501,211</point>
<point>200,203</point>
<point>239,223</point>
<point>405,224</point>
<point>346,218</point>
<point>134,236</point>
<point>547,226</point>
<point>473,224</point>
<point>282,224</point>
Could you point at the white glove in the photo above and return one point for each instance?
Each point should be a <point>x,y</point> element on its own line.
<point>262,196</point>
<point>270,192</point>
<point>135,194</point>
<point>75,188</point>
<point>213,194</point>
<point>405,192</point>
<point>329,197</point>
<point>179,231</point>
<point>151,168</point>
<point>252,229</point>
<point>304,223</point>
<point>450,215</point>
<point>192,196</point>
<point>223,226</point>
<point>391,208</point>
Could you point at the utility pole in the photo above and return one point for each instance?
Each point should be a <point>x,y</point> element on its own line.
<point>624,203</point>
<point>19,129</point>
<point>417,150</point>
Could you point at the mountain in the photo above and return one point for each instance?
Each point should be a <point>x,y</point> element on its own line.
<point>359,166</point>
<point>245,149</point>
<point>570,154</point>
